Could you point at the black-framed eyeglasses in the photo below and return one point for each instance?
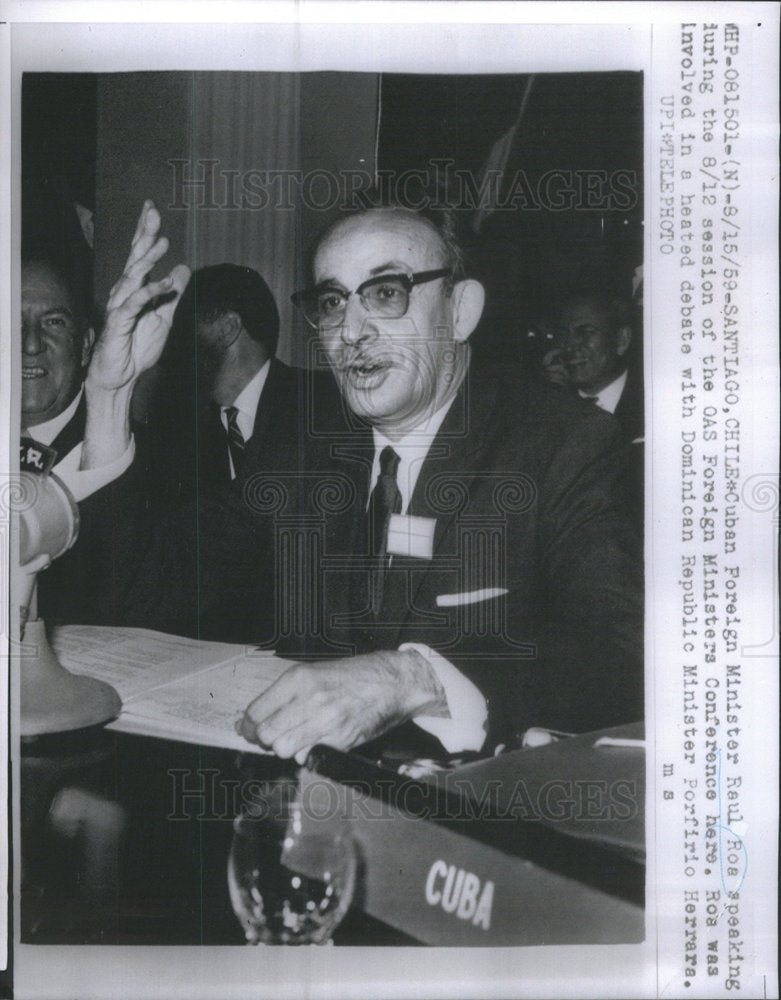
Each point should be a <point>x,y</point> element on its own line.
<point>386,295</point>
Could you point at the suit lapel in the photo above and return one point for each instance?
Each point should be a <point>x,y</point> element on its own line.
<point>213,461</point>
<point>630,407</point>
<point>267,404</point>
<point>281,399</point>
<point>347,534</point>
<point>72,433</point>
<point>452,459</point>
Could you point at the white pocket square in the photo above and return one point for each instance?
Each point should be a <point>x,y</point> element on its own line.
<point>469,597</point>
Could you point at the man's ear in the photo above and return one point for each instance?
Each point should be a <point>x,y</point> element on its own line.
<point>468,298</point>
<point>623,340</point>
<point>87,343</point>
<point>229,327</point>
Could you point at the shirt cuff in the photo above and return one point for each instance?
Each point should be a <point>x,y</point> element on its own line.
<point>84,482</point>
<point>465,729</point>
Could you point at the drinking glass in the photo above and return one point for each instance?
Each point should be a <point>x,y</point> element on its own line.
<point>288,886</point>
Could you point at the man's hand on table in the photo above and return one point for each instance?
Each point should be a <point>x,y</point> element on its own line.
<point>132,340</point>
<point>342,703</point>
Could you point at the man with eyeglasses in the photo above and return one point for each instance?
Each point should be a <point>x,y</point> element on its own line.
<point>479,579</point>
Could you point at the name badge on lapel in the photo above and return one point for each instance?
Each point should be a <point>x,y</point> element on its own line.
<point>411,536</point>
<point>36,457</point>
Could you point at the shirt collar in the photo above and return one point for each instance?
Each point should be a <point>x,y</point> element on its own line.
<point>608,398</point>
<point>247,400</point>
<point>47,431</point>
<point>249,397</point>
<point>412,450</point>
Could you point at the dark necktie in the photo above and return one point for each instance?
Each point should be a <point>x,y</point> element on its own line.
<point>384,501</point>
<point>235,439</point>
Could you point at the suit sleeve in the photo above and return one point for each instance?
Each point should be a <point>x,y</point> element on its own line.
<point>567,651</point>
<point>591,624</point>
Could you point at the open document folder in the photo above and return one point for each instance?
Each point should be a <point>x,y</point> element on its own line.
<point>170,686</point>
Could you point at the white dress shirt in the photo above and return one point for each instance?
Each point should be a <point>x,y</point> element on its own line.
<point>47,431</point>
<point>465,729</point>
<point>81,482</point>
<point>84,482</point>
<point>609,397</point>
<point>247,404</point>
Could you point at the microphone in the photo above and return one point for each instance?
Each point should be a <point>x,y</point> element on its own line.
<point>49,523</point>
<point>52,699</point>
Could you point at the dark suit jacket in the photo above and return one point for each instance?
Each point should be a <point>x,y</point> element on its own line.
<point>630,414</point>
<point>630,418</point>
<point>72,433</point>
<point>534,588</point>
<point>68,589</point>
<point>184,444</point>
<point>630,410</point>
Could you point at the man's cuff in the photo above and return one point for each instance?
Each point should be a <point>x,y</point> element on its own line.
<point>465,729</point>
<point>84,482</point>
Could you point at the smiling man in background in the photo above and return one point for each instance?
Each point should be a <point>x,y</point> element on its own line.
<point>598,355</point>
<point>57,340</point>
<point>594,335</point>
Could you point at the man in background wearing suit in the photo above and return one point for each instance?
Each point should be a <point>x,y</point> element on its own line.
<point>596,339</point>
<point>594,335</point>
<point>228,323</point>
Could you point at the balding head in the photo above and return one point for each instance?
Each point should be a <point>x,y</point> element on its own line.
<point>393,314</point>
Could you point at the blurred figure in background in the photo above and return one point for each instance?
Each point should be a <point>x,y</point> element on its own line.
<point>226,406</point>
<point>223,348</point>
<point>593,332</point>
<point>597,354</point>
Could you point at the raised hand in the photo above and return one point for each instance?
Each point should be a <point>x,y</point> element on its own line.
<point>134,334</point>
